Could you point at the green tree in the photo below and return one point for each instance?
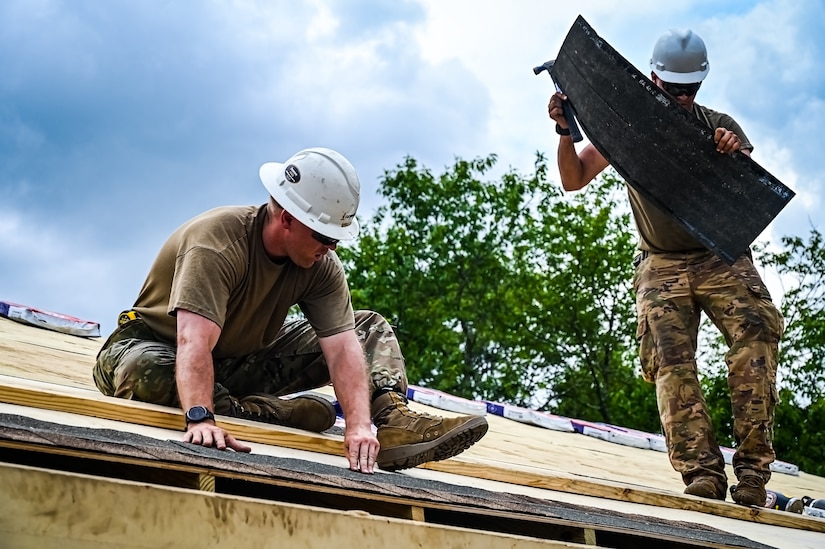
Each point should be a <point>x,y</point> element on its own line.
<point>587,244</point>
<point>506,289</point>
<point>800,265</point>
<point>800,417</point>
<point>509,290</point>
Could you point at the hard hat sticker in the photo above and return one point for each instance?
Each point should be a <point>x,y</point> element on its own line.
<point>292,173</point>
<point>346,219</point>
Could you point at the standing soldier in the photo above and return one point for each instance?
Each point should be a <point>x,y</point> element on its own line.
<point>676,279</point>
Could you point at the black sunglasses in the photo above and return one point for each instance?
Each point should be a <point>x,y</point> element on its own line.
<point>681,89</point>
<point>325,240</point>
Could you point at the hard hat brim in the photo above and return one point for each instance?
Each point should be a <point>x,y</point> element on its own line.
<point>681,77</point>
<point>274,180</point>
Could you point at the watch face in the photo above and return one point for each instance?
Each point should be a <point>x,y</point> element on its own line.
<point>197,413</point>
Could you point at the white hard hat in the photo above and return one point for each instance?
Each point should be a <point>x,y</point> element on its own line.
<point>680,57</point>
<point>320,188</point>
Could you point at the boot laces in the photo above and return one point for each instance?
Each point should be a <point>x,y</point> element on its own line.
<point>254,411</point>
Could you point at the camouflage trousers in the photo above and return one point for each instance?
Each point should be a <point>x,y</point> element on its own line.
<point>672,291</point>
<point>133,364</point>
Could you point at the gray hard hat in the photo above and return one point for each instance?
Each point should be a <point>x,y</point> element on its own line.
<point>679,56</point>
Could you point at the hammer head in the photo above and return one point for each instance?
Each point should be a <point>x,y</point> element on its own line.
<point>547,66</point>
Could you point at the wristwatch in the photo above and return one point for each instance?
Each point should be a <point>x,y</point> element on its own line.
<point>196,414</point>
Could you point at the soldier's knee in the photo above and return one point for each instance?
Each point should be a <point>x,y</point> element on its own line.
<point>369,321</point>
<point>774,322</point>
<point>365,316</point>
<point>761,321</point>
<point>144,361</point>
<point>114,362</point>
<point>146,372</point>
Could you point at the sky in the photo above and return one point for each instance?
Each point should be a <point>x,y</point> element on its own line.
<point>121,119</point>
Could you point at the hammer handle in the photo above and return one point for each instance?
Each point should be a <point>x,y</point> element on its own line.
<point>575,134</point>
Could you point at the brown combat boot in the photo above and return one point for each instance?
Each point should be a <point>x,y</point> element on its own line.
<point>706,487</point>
<point>308,412</point>
<point>409,438</point>
<point>750,490</point>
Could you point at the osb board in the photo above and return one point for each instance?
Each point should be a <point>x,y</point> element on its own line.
<point>43,355</point>
<point>576,463</point>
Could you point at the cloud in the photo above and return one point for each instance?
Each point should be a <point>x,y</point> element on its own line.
<point>767,77</point>
<point>43,270</point>
<point>119,120</point>
<point>125,119</point>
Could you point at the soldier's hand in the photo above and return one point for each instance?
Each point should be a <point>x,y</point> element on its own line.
<point>726,141</point>
<point>361,448</point>
<point>555,109</point>
<point>208,434</point>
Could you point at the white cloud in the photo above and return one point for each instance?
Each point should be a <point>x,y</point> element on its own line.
<point>324,23</point>
<point>125,119</point>
<point>55,269</point>
<point>760,57</point>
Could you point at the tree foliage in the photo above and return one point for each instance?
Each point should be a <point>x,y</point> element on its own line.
<point>801,266</point>
<point>800,416</point>
<point>510,290</point>
<point>507,290</point>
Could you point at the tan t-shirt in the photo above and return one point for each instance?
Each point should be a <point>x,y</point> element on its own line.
<point>215,265</point>
<point>657,231</point>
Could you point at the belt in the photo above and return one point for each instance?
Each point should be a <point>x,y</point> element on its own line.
<point>639,257</point>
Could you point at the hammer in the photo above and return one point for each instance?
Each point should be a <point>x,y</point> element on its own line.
<point>575,134</point>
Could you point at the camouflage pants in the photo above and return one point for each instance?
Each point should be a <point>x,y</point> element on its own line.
<point>133,364</point>
<point>672,290</point>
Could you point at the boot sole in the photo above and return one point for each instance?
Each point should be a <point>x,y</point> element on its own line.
<point>749,501</point>
<point>447,446</point>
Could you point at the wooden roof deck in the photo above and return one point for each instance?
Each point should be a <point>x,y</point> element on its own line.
<point>525,482</point>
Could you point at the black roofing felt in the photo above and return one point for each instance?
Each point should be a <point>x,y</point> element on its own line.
<point>663,151</point>
<point>110,443</point>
